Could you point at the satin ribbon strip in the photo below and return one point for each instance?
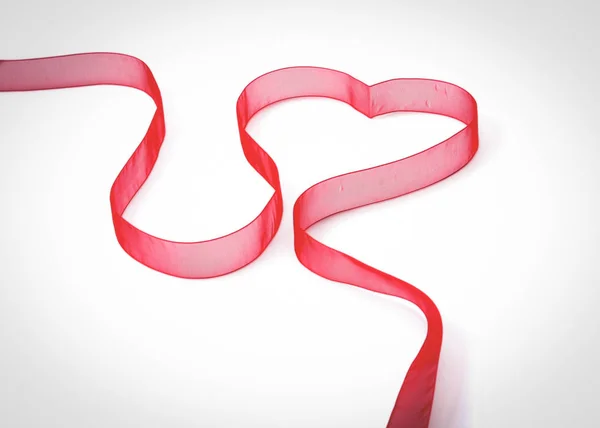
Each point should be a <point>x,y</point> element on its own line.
<point>231,252</point>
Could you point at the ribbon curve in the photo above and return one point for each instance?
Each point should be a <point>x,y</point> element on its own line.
<point>228,253</point>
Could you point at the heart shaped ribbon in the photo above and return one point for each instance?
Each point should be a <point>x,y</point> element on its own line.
<point>231,252</point>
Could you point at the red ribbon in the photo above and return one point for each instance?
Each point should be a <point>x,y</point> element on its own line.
<point>231,252</point>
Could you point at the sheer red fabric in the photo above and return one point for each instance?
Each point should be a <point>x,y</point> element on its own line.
<point>231,252</point>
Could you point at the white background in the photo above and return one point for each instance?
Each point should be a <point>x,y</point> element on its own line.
<point>507,248</point>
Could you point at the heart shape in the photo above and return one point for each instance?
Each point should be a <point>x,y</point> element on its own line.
<point>345,192</point>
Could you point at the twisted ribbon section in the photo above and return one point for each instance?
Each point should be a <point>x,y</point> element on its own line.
<point>231,252</point>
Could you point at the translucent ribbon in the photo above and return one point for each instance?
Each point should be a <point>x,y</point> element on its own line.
<point>231,252</point>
